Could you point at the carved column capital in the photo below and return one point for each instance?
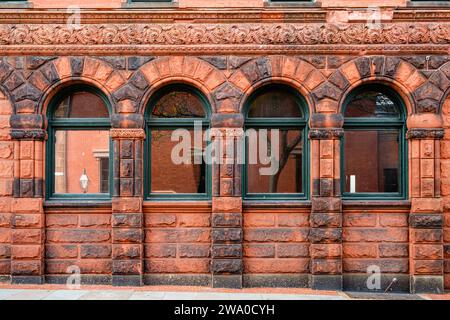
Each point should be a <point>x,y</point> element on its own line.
<point>326,133</point>
<point>227,132</point>
<point>419,133</point>
<point>133,134</point>
<point>29,134</point>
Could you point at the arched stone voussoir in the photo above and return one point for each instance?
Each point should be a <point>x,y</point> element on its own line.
<point>378,66</point>
<point>180,67</point>
<point>441,79</point>
<point>192,71</point>
<point>290,68</point>
<point>400,74</point>
<point>64,71</point>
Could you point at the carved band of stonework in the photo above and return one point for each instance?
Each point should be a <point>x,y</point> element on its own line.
<point>32,134</point>
<point>138,134</point>
<point>217,37</point>
<point>226,132</point>
<point>425,134</point>
<point>325,134</point>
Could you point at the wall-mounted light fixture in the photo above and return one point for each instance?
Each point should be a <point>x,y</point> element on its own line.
<point>84,181</point>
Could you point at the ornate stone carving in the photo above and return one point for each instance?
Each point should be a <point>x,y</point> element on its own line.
<point>31,134</point>
<point>226,132</point>
<point>181,36</point>
<point>425,134</point>
<point>127,133</point>
<point>328,133</point>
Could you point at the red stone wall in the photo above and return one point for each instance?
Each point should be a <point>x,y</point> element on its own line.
<point>6,184</point>
<point>445,188</point>
<point>276,240</point>
<point>177,239</point>
<point>375,236</point>
<point>325,238</point>
<point>78,237</point>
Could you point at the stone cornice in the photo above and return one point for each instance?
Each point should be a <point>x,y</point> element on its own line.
<point>194,38</point>
<point>161,16</point>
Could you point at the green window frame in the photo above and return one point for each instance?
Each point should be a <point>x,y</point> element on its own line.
<point>173,124</point>
<point>380,124</point>
<point>300,124</point>
<point>66,124</point>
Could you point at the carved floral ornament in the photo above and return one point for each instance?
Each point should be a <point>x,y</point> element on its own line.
<point>138,134</point>
<point>307,34</point>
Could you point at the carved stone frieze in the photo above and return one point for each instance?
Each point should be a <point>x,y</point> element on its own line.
<point>223,37</point>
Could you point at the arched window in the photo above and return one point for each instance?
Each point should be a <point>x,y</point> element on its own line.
<point>175,167</point>
<point>374,148</point>
<point>78,148</point>
<point>276,154</point>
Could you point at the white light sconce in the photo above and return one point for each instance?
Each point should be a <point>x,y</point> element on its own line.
<point>84,181</point>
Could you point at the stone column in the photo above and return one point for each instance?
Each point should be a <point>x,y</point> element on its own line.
<point>127,216</point>
<point>227,233</point>
<point>326,212</point>
<point>27,218</point>
<point>426,217</point>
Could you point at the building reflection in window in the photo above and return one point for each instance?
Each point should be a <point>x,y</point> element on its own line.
<point>78,151</point>
<point>372,142</point>
<point>275,108</point>
<point>79,126</point>
<point>174,108</point>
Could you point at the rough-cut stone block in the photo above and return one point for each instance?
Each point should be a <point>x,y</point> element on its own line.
<point>127,251</point>
<point>127,236</point>
<point>229,266</point>
<point>329,220</point>
<point>226,251</point>
<point>426,221</point>
<point>227,234</point>
<point>319,235</point>
<point>226,204</point>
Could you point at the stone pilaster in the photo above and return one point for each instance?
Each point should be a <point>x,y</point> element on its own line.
<point>426,217</point>
<point>326,213</point>
<point>227,233</point>
<point>27,218</point>
<point>127,216</point>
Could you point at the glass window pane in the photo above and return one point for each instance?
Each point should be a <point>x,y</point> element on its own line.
<point>276,103</point>
<point>82,105</point>
<point>281,170</point>
<point>81,155</point>
<point>178,104</point>
<point>372,104</point>
<point>183,173</point>
<point>372,161</point>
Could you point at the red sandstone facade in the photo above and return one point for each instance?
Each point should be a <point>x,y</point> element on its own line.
<point>323,51</point>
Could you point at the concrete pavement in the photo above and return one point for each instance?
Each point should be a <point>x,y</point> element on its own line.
<point>85,292</point>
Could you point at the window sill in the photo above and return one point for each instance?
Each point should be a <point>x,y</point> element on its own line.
<point>276,203</point>
<point>427,4</point>
<point>348,204</point>
<point>289,4</point>
<point>150,5</point>
<point>82,206</point>
<point>16,5</point>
